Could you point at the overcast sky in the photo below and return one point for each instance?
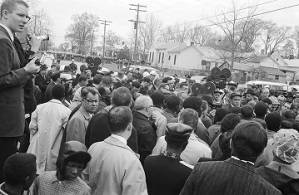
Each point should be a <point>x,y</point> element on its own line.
<point>168,11</point>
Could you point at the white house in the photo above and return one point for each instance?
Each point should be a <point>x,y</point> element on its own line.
<point>183,57</point>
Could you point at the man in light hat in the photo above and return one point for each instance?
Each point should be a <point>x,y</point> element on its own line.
<point>66,179</point>
<point>166,173</point>
<point>280,172</point>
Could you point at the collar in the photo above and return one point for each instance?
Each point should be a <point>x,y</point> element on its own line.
<point>85,114</point>
<point>2,191</point>
<point>244,161</point>
<point>120,138</point>
<point>56,101</point>
<point>10,33</point>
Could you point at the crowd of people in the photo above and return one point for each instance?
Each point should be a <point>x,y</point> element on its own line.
<point>137,132</point>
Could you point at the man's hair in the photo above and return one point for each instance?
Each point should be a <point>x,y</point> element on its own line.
<point>10,5</point>
<point>194,103</point>
<point>260,110</point>
<point>247,112</point>
<point>121,97</point>
<point>158,99</point>
<point>119,118</point>
<point>86,90</point>
<point>189,117</point>
<point>58,92</point>
<point>248,140</point>
<point>55,76</point>
<point>82,78</point>
<point>229,122</point>
<point>220,114</point>
<point>142,102</point>
<point>172,102</point>
<point>17,167</point>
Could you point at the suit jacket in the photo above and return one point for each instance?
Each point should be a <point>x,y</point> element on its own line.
<point>77,126</point>
<point>29,98</point>
<point>229,177</point>
<point>41,83</point>
<point>165,175</point>
<point>114,169</point>
<point>98,130</point>
<point>12,81</point>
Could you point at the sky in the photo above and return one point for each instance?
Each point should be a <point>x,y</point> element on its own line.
<point>169,12</point>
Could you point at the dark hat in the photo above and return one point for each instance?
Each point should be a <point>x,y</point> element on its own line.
<point>76,151</point>
<point>177,132</point>
<point>250,91</point>
<point>43,67</point>
<point>234,95</point>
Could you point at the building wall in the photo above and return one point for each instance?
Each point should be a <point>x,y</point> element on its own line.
<point>185,60</point>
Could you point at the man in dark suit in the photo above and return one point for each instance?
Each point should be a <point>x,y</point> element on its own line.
<point>14,17</point>
<point>235,175</point>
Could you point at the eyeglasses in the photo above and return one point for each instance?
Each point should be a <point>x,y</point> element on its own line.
<point>92,101</point>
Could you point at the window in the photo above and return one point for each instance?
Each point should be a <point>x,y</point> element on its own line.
<point>159,57</point>
<point>169,57</point>
<point>162,57</point>
<point>276,77</point>
<point>174,60</point>
<point>150,56</point>
<point>153,56</point>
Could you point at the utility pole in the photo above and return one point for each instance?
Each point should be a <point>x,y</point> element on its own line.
<point>136,22</point>
<point>105,23</point>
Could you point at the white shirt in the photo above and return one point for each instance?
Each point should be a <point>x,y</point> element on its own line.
<point>11,35</point>
<point>120,138</point>
<point>192,153</point>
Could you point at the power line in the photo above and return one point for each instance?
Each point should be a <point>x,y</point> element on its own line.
<point>254,15</point>
<point>137,8</point>
<point>241,9</point>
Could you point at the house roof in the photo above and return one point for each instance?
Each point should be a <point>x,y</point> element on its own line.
<point>208,52</point>
<point>256,59</point>
<point>272,71</point>
<point>168,46</point>
<point>178,49</point>
<point>293,62</point>
<point>243,67</point>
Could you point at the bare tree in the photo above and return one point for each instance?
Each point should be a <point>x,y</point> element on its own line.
<point>149,32</point>
<point>177,33</point>
<point>289,49</point>
<point>235,27</point>
<point>112,39</point>
<point>274,36</point>
<point>200,35</point>
<point>81,32</point>
<point>251,34</point>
